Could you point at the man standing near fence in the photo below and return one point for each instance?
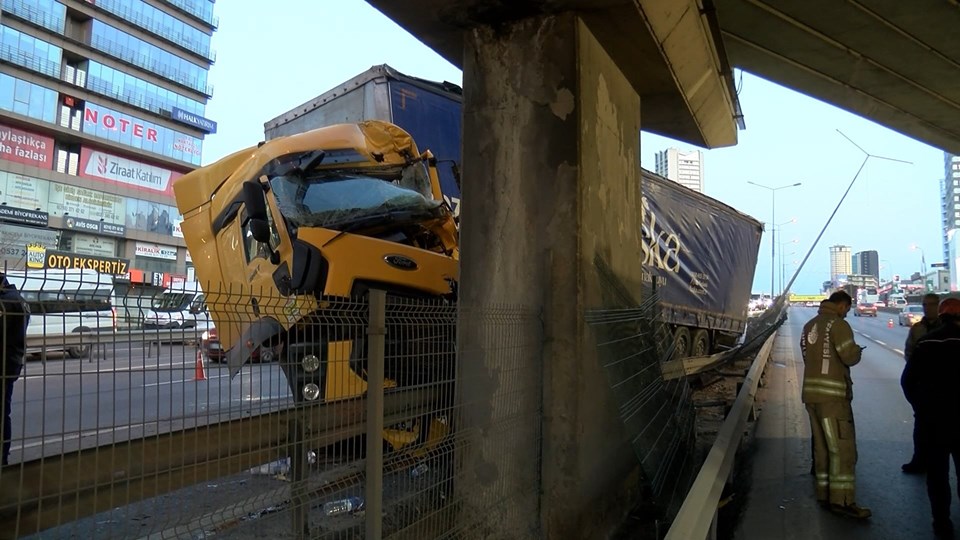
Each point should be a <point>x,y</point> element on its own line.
<point>829,351</point>
<point>14,317</point>
<point>929,322</point>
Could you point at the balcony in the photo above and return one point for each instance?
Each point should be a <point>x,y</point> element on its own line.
<point>136,58</point>
<point>10,53</point>
<point>33,15</point>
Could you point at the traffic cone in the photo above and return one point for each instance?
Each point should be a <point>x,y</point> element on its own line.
<point>199,374</point>
<point>889,323</point>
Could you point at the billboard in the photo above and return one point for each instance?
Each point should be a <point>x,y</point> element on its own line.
<point>126,172</point>
<point>23,191</point>
<point>26,147</point>
<point>156,251</point>
<point>86,203</point>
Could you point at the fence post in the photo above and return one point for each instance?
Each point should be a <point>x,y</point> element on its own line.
<point>376,332</point>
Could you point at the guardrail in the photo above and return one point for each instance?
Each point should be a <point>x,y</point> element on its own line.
<point>698,514</point>
<point>101,342</point>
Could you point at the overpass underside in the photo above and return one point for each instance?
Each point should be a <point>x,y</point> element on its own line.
<point>555,94</point>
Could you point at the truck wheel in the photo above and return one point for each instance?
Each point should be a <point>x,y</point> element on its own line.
<point>79,351</point>
<point>701,343</point>
<point>681,342</point>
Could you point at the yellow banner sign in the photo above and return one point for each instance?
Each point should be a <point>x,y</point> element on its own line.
<point>807,297</point>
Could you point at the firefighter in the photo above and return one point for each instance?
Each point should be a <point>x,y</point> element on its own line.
<point>829,351</point>
<point>931,376</point>
<point>929,322</point>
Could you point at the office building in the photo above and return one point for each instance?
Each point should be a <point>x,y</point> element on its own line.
<point>841,264</point>
<point>685,168</point>
<point>867,263</point>
<point>102,107</point>
<point>950,202</point>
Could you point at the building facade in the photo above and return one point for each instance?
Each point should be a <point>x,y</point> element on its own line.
<point>950,203</point>
<point>685,168</point>
<point>867,263</point>
<point>841,264</point>
<point>102,107</point>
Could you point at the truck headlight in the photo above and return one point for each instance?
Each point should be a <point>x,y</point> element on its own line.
<point>310,363</point>
<point>205,336</point>
<point>311,392</point>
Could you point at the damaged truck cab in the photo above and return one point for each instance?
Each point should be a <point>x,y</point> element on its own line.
<point>283,235</point>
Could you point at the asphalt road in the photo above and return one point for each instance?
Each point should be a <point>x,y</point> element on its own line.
<point>64,404</point>
<point>781,501</point>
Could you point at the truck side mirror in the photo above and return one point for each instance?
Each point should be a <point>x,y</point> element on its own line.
<point>254,201</point>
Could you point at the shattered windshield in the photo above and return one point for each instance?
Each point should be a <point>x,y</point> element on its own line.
<point>334,199</point>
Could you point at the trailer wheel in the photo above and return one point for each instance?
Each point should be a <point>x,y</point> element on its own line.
<point>681,342</point>
<point>701,343</point>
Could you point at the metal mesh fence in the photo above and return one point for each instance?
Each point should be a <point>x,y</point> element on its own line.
<point>237,414</point>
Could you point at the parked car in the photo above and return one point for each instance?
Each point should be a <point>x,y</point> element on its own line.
<point>212,349</point>
<point>865,309</point>
<point>879,304</point>
<point>910,315</point>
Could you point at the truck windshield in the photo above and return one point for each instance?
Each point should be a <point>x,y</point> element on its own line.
<point>335,199</point>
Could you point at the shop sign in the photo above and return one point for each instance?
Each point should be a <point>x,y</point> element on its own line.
<point>23,191</point>
<point>126,172</point>
<point>194,120</point>
<point>26,147</point>
<point>96,227</point>
<point>156,251</point>
<point>94,245</point>
<point>14,242</point>
<point>63,260</point>
<point>86,203</point>
<point>24,216</point>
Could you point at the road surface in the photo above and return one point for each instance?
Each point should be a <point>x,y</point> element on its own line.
<point>64,404</point>
<point>781,503</point>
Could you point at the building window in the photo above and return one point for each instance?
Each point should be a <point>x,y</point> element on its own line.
<point>71,113</point>
<point>75,72</point>
<point>67,158</point>
<point>28,99</point>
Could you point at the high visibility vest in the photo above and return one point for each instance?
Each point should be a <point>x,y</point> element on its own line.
<point>829,351</point>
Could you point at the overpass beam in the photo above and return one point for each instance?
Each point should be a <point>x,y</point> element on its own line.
<point>552,172</point>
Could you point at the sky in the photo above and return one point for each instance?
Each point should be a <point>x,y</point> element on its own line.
<point>282,57</point>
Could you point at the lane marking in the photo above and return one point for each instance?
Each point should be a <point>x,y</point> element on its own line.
<point>866,335</point>
<point>898,351</point>
<point>880,342</point>
<point>183,381</point>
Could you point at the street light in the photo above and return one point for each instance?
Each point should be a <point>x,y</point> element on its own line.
<point>923,265</point>
<point>782,244</point>
<point>773,220</point>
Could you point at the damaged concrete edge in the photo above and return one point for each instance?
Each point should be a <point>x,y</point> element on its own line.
<point>699,509</point>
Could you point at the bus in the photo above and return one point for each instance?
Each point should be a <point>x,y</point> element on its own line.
<point>65,302</point>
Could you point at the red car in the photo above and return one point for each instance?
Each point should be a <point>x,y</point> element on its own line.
<point>865,310</point>
<point>212,349</point>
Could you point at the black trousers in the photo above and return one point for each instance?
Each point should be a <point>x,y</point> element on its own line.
<point>938,453</point>
<point>10,377</point>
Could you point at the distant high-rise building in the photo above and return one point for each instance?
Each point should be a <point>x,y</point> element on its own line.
<point>841,263</point>
<point>950,202</point>
<point>867,263</point>
<point>685,168</point>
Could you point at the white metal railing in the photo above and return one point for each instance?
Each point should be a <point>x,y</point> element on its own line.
<point>697,516</point>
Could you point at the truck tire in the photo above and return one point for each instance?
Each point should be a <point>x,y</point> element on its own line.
<point>701,343</point>
<point>681,342</point>
<point>79,351</point>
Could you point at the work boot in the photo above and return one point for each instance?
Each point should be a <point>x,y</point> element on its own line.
<point>943,528</point>
<point>914,467</point>
<point>851,511</point>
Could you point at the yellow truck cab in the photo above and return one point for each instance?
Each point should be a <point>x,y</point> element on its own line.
<point>283,233</point>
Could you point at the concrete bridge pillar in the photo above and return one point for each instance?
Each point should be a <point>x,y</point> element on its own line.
<point>552,176</point>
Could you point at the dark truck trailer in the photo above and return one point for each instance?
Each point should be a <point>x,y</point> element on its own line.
<point>700,253</point>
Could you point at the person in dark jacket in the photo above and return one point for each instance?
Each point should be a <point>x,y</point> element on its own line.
<point>931,377</point>
<point>14,316</point>
<point>929,322</point>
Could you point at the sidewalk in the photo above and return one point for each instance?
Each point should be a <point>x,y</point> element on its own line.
<point>781,503</point>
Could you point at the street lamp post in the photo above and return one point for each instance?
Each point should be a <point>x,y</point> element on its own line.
<point>773,220</point>
<point>782,244</point>
<point>923,266</point>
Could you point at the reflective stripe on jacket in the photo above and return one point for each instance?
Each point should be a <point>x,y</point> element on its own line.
<point>828,352</point>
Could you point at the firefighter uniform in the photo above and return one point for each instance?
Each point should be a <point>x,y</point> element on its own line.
<point>828,352</point>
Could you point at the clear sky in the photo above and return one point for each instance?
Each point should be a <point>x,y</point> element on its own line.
<point>269,61</point>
